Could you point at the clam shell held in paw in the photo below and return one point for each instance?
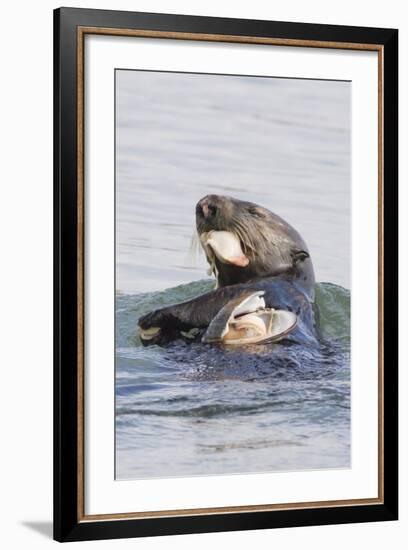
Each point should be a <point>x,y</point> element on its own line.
<point>245,320</point>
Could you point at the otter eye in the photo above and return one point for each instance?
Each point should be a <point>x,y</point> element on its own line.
<point>212,209</point>
<point>255,212</point>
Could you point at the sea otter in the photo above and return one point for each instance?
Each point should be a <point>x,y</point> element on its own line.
<point>265,281</point>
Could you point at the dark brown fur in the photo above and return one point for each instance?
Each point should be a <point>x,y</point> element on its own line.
<point>279,265</point>
<point>272,246</point>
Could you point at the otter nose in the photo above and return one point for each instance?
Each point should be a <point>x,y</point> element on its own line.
<point>206,207</point>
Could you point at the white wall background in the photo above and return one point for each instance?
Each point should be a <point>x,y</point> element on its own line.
<point>26,273</point>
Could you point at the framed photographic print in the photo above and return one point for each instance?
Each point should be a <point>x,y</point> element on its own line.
<point>225,274</point>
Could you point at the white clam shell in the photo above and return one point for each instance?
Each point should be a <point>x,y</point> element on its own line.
<point>251,323</point>
<point>225,246</point>
<point>261,326</point>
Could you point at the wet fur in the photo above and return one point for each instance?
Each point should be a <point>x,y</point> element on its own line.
<point>199,312</point>
<point>272,246</point>
<point>280,265</point>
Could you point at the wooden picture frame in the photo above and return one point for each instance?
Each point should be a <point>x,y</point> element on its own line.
<point>71,522</point>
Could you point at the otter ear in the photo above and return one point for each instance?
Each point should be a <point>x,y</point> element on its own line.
<point>299,255</point>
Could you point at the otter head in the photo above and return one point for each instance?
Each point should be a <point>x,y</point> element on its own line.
<point>244,241</point>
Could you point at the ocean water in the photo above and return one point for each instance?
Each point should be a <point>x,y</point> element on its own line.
<point>281,143</point>
<point>194,409</point>
<point>189,410</point>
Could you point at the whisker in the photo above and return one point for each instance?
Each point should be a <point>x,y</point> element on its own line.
<point>195,247</point>
<point>244,230</point>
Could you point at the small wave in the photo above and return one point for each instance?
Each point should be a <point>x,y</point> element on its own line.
<point>333,302</point>
<point>203,411</point>
<point>249,445</point>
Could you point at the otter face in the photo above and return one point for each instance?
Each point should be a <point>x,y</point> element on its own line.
<point>222,213</point>
<point>270,245</point>
<point>214,213</point>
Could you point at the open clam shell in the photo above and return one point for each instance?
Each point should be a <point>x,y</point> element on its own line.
<point>245,320</point>
<point>224,245</point>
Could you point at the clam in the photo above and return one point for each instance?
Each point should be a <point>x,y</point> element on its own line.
<point>246,320</point>
<point>224,245</point>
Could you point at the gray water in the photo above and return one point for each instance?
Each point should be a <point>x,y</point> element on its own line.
<point>200,410</point>
<point>282,143</point>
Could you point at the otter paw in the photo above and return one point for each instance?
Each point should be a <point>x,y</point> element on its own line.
<point>157,327</point>
<point>154,319</point>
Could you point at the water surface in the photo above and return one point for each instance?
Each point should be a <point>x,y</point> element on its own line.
<point>200,410</point>
<point>282,143</point>
<point>195,409</point>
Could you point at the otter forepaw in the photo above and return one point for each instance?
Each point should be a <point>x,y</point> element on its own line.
<point>151,326</point>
